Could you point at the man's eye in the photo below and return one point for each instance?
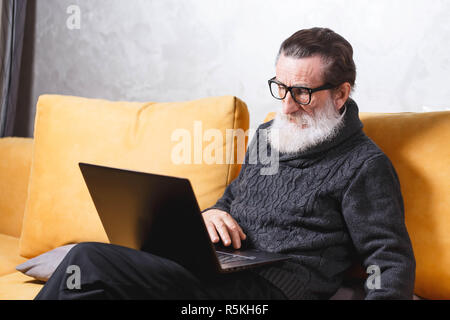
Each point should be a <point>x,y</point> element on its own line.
<point>299,90</point>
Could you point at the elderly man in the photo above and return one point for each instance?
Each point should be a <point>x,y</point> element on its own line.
<point>334,197</point>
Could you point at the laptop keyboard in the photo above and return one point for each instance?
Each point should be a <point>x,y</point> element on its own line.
<point>229,257</point>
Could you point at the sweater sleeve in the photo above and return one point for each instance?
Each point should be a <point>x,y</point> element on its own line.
<point>373,210</point>
<point>224,203</point>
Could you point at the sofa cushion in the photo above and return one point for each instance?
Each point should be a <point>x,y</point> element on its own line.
<point>9,254</point>
<point>128,135</point>
<point>18,286</point>
<point>15,164</point>
<point>42,267</point>
<point>418,146</point>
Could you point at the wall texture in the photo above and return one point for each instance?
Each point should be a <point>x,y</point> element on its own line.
<point>173,50</point>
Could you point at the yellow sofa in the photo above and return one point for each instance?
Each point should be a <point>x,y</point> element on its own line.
<point>44,203</point>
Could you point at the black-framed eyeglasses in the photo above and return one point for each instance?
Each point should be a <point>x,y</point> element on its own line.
<point>301,95</point>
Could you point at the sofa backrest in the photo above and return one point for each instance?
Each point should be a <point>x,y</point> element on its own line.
<point>164,138</point>
<point>15,165</point>
<point>418,144</point>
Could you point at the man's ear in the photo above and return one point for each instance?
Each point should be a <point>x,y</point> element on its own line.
<point>341,94</point>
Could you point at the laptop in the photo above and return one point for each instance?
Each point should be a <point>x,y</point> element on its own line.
<point>159,214</point>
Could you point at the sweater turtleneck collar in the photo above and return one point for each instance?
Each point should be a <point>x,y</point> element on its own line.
<point>351,125</point>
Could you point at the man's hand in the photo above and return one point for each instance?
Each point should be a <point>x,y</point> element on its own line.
<point>221,222</point>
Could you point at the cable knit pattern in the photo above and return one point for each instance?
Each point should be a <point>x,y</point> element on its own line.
<point>323,207</point>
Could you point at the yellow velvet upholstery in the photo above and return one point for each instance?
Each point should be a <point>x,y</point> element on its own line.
<point>129,135</point>
<point>18,286</point>
<point>9,254</point>
<point>418,145</point>
<point>15,164</point>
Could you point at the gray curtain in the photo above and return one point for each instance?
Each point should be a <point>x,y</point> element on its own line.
<point>12,25</point>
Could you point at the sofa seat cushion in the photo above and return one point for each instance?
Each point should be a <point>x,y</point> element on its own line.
<point>18,286</point>
<point>139,136</point>
<point>9,254</point>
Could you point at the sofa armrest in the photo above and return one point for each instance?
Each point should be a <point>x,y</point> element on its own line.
<point>15,165</point>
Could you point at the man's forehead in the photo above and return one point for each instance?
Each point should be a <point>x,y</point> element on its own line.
<point>299,71</point>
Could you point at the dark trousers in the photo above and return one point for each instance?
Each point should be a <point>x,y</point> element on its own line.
<point>109,271</point>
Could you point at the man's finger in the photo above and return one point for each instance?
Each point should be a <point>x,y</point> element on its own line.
<point>212,232</point>
<point>242,234</point>
<point>235,232</point>
<point>223,232</point>
<point>230,221</point>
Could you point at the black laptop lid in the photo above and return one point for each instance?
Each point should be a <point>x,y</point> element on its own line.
<point>139,210</point>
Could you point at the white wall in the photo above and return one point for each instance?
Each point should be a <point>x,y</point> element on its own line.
<point>174,50</point>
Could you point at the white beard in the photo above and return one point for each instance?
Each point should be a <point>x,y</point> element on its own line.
<point>306,131</point>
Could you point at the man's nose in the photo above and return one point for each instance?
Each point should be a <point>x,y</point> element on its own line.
<point>289,104</point>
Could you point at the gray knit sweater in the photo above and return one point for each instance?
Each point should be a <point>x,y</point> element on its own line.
<point>325,207</point>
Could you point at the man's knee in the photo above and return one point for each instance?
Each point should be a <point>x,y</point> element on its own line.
<point>92,260</point>
<point>86,251</point>
<point>84,247</point>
